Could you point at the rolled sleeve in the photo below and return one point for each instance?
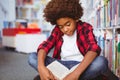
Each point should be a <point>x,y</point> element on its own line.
<point>92,43</point>
<point>95,48</point>
<point>47,45</point>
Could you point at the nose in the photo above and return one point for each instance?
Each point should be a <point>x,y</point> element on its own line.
<point>65,29</point>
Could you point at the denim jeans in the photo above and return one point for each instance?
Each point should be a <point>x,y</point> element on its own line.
<point>97,67</point>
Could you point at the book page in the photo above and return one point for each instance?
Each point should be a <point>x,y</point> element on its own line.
<point>58,69</point>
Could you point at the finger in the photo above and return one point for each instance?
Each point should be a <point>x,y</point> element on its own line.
<point>56,78</point>
<point>52,76</point>
<point>48,79</point>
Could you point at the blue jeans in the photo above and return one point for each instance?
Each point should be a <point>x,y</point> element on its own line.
<point>97,67</point>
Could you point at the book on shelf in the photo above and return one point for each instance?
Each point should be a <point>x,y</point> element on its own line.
<point>108,15</point>
<point>102,17</point>
<point>8,24</point>
<point>108,52</point>
<point>102,44</point>
<point>24,2</point>
<point>118,50</point>
<point>59,70</point>
<point>19,2</point>
<point>107,18</point>
<point>27,13</point>
<point>119,12</point>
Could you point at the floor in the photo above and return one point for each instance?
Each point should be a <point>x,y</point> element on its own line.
<point>14,66</point>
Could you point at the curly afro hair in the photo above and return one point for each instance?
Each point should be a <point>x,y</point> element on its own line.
<point>56,9</point>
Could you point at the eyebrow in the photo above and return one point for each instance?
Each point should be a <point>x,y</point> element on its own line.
<point>64,23</point>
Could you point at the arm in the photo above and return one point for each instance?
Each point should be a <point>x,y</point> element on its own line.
<point>44,73</point>
<point>41,58</point>
<point>43,50</point>
<point>89,57</point>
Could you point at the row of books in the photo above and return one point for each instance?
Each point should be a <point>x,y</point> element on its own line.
<point>107,14</point>
<point>106,22</point>
<point>26,13</point>
<point>24,2</point>
<point>20,24</point>
<point>30,2</point>
<point>29,9</point>
<point>32,11</point>
<point>110,45</point>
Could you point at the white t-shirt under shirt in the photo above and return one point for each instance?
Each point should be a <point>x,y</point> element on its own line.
<point>69,49</point>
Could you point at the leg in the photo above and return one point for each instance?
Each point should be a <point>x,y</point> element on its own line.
<point>32,60</point>
<point>68,64</point>
<point>110,75</point>
<point>96,68</point>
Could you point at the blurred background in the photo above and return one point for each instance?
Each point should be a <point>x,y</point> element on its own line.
<point>23,28</point>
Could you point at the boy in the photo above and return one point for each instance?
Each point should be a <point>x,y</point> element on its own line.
<point>73,42</point>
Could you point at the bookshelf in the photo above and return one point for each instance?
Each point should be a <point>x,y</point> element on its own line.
<point>27,11</point>
<point>25,19</point>
<point>105,18</point>
<point>19,13</point>
<point>32,12</point>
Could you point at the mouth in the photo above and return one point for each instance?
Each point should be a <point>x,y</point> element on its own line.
<point>69,33</point>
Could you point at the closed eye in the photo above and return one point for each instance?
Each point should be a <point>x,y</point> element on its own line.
<point>60,27</point>
<point>67,24</point>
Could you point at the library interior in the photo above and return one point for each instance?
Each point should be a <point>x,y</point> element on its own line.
<point>23,28</point>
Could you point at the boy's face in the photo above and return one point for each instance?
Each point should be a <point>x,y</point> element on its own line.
<point>67,25</point>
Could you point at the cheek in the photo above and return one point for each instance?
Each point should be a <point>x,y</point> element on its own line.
<point>74,27</point>
<point>62,30</point>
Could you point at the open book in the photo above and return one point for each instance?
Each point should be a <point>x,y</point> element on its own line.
<point>59,70</point>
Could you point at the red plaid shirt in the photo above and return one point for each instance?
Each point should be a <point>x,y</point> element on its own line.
<point>85,40</point>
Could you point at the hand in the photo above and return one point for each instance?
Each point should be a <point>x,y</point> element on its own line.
<point>71,76</point>
<point>45,74</point>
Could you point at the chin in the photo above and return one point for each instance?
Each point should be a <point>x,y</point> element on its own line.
<point>69,34</point>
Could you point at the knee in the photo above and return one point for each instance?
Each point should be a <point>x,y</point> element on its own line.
<point>32,58</point>
<point>101,63</point>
